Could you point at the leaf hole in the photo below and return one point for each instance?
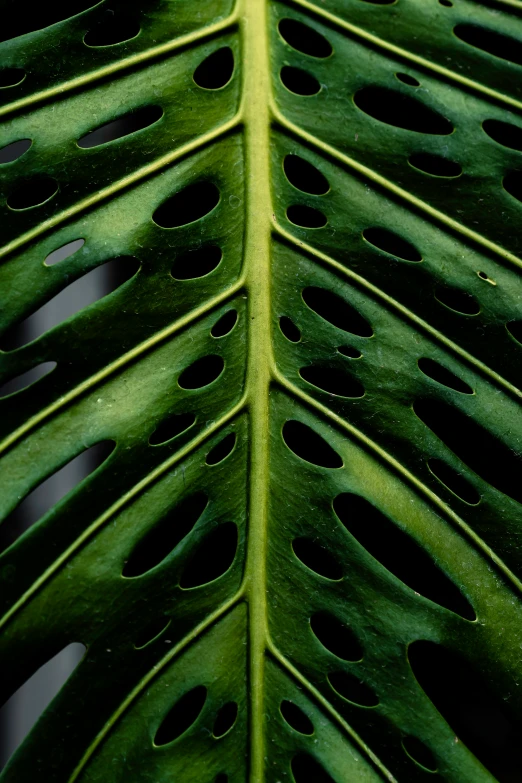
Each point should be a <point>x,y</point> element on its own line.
<point>182,716</point>
<point>225,719</point>
<point>349,351</point>
<point>296,718</point>
<point>336,310</point>
<point>298,81</point>
<point>391,243</point>
<point>457,300</point>
<point>11,77</point>
<point>504,133</point>
<point>196,263</point>
<point>223,449</point>
<point>309,445</point>
<point>317,558</point>
<point>446,3</point>
<point>306,769</point>
<point>216,70</point>
<point>438,373</point>
<point>454,482</point>
<point>352,689</point>
<point>419,753</point>
<point>171,428</point>
<point>435,165</point>
<point>63,252</point>
<point>15,150</point>
<point>225,324</point>
<point>188,205</point>
<point>483,276</point>
<point>332,380</point>
<point>380,2</point>
<point>514,328</point>
<point>399,553</point>
<point>402,111</point>
<point>161,540</point>
<point>306,217</point>
<point>289,329</point>
<point>26,379</point>
<point>202,372</point>
<point>213,558</point>
<point>406,78</point>
<point>490,41</point>
<point>304,38</point>
<point>151,632</point>
<point>512,184</point>
<point>32,193</point>
<point>304,176</point>
<point>221,778</point>
<point>122,126</point>
<point>336,637</point>
<point>115,28</point>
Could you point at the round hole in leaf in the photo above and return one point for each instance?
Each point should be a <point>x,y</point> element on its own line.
<point>296,718</point>
<point>196,263</point>
<point>454,482</point>
<point>299,82</point>
<point>391,243</point>
<point>405,78</point>
<point>419,753</point>
<point>317,558</point>
<point>402,111</point>
<point>202,372</point>
<point>181,716</point>
<point>437,372</point>
<point>332,380</point>
<point>225,719</point>
<point>63,252</point>
<point>457,300</point>
<point>349,351</point>
<point>188,205</point>
<point>15,150</point>
<point>352,689</point>
<point>225,324</point>
<point>222,450</point>
<point>504,133</point>
<point>446,3</point>
<point>306,217</point>
<point>309,445</point>
<point>304,38</point>
<point>213,557</point>
<point>304,176</point>
<point>336,637</point>
<point>435,165</point>
<point>32,193</point>
<point>171,428</point>
<point>216,70</point>
<point>10,77</point>
<point>336,310</point>
<point>289,329</point>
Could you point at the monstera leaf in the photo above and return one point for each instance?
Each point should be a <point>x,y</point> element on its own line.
<point>297,554</point>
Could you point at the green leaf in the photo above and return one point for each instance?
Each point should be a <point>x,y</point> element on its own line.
<point>292,550</point>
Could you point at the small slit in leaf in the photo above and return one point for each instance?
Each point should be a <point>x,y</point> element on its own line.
<point>304,176</point>
<point>159,542</point>
<point>490,41</point>
<point>305,769</point>
<point>15,150</point>
<point>122,126</point>
<point>296,718</point>
<point>336,310</point>
<point>202,372</point>
<point>457,300</point>
<point>484,453</point>
<point>222,450</point>
<point>26,379</point>
<point>349,351</point>
<point>399,553</point>
<point>419,753</point>
<point>391,243</point>
<point>225,719</point>
<point>151,632</point>
<point>435,165</point>
<point>299,82</point>
<point>216,70</point>
<point>352,689</point>
<point>306,217</point>
<point>515,330</point>
<point>446,3</point>
<point>336,637</point>
<point>196,263</point>
<point>512,184</point>
<point>115,28</point>
<point>289,329</point>
<point>332,380</point>
<point>454,482</point>
<point>437,372</point>
<point>225,324</point>
<point>479,717</point>
<point>182,716</point>
<point>317,558</point>
<point>213,558</point>
<point>304,38</point>
<point>380,2</point>
<point>402,111</point>
<point>188,205</point>
<point>504,133</point>
<point>405,78</point>
<point>32,193</point>
<point>309,445</point>
<point>10,77</point>
<point>63,252</point>
<point>171,428</point>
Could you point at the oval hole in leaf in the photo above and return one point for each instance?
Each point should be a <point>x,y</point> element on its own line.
<point>51,490</point>
<point>305,769</point>
<point>21,18</point>
<point>446,3</point>
<point>289,329</point>
<point>405,78</point>
<point>485,454</point>
<point>225,719</point>
<point>479,717</point>
<point>435,165</point>
<point>182,716</point>
<point>298,81</point>
<point>352,689</point>
<point>399,553</point>
<point>454,482</point>
<point>190,204</point>
<point>63,252</point>
<point>122,126</point>
<point>115,28</point>
<point>225,324</point>
<point>83,292</point>
<point>15,150</point>
<point>159,542</point>
<point>419,753</point>
<point>490,41</point>
<point>336,637</point>
<point>401,111</point>
<point>10,77</point>
<point>512,184</point>
<point>437,372</point>
<point>504,133</point>
<point>317,558</point>
<point>221,778</point>
<point>171,428</point>
<point>515,330</point>
<point>391,243</point>
<point>306,217</point>
<point>202,372</point>
<point>222,450</point>
<point>32,193</point>
<point>213,558</point>
<point>309,446</point>
<point>349,351</point>
<point>332,380</point>
<point>151,632</point>
<point>196,263</point>
<point>296,718</point>
<point>336,310</point>
<point>304,176</point>
<point>304,38</point>
<point>26,379</point>
<point>457,300</point>
<point>216,70</point>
